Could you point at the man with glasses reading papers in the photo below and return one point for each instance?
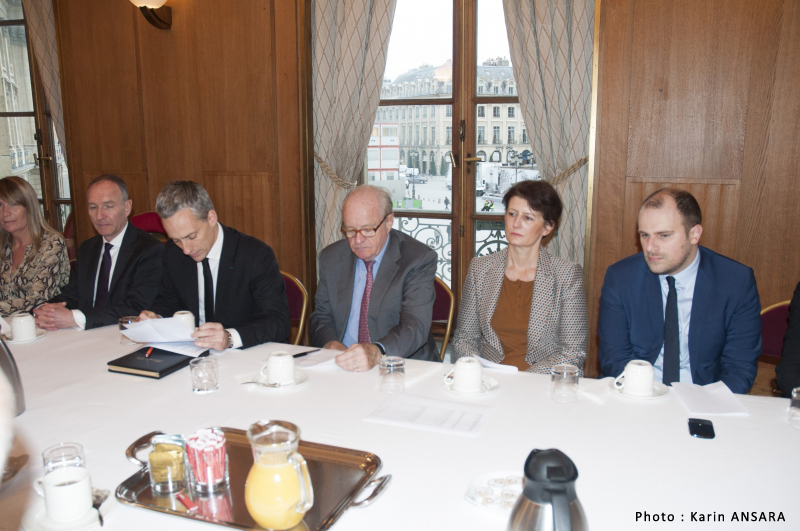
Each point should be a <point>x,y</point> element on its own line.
<point>375,293</point>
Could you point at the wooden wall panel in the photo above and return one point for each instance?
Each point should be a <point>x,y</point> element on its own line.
<point>689,78</point>
<point>236,85</point>
<point>222,98</point>
<point>245,201</point>
<point>170,103</point>
<point>710,105</point>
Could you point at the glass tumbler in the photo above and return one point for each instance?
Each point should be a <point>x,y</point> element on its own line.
<point>564,383</point>
<point>205,375</point>
<point>123,324</point>
<point>393,374</point>
<point>64,454</point>
<point>794,408</point>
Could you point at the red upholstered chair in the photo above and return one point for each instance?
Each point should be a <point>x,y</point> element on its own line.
<point>298,304</point>
<point>150,222</point>
<point>443,309</point>
<point>774,321</point>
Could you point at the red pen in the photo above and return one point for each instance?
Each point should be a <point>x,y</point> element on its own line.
<point>149,351</point>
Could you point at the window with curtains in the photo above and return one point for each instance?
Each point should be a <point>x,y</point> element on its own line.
<point>29,148</point>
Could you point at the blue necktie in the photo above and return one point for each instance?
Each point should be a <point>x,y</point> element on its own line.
<point>101,293</point>
<point>672,344</point>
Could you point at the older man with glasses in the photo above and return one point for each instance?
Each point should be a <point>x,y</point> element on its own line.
<point>375,293</point>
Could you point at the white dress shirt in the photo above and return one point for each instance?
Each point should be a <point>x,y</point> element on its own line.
<point>214,255</point>
<point>116,243</point>
<point>684,286</point>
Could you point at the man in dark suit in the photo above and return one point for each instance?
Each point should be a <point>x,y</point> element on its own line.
<point>230,281</point>
<point>692,313</point>
<point>117,272</point>
<point>788,370</point>
<point>375,293</point>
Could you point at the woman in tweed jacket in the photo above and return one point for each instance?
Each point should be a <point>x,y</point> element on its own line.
<point>557,325</point>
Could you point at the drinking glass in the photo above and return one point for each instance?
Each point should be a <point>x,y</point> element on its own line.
<point>205,375</point>
<point>564,383</point>
<point>393,374</point>
<point>123,324</point>
<point>794,408</point>
<point>66,454</point>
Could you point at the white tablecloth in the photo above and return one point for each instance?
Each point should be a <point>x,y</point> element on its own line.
<point>632,456</point>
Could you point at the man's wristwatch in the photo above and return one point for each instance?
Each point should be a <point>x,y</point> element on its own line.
<point>381,348</point>
<point>230,339</point>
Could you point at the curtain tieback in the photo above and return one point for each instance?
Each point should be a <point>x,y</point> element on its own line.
<point>332,175</point>
<point>569,171</point>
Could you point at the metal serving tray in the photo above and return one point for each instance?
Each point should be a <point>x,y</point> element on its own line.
<point>338,476</point>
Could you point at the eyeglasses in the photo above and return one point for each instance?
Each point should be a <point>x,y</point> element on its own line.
<point>367,233</point>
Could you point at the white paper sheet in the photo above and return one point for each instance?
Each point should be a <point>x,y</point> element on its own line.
<point>167,330</point>
<point>711,399</point>
<point>487,364</point>
<point>433,415</point>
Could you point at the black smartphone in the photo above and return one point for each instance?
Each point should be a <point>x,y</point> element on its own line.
<point>701,428</point>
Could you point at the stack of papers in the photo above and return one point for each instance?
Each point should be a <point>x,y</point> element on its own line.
<point>711,399</point>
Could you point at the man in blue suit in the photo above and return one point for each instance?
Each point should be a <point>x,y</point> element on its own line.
<point>692,313</point>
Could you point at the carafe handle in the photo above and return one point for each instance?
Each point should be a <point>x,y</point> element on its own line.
<point>304,480</point>
<point>562,519</point>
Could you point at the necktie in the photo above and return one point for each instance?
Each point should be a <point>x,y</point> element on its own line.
<point>672,346</point>
<point>209,291</point>
<point>363,320</point>
<point>101,293</point>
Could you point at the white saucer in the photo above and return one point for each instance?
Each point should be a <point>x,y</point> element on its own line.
<point>39,334</point>
<point>496,491</point>
<point>36,519</point>
<point>300,377</point>
<point>488,385</point>
<point>659,391</point>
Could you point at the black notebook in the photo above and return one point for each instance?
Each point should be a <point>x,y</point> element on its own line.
<point>159,364</point>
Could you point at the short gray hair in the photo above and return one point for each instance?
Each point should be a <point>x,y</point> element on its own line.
<point>378,193</point>
<point>178,195</point>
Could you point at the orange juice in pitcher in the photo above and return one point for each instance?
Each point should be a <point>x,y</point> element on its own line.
<point>278,491</point>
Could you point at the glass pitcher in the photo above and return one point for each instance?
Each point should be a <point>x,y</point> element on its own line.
<point>278,490</point>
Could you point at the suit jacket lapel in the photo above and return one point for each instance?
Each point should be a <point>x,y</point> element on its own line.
<point>493,283</point>
<point>383,281</point>
<point>655,307</point>
<point>541,302</point>
<point>344,288</point>
<point>94,259</point>
<point>227,259</point>
<point>702,293</point>
<point>123,256</point>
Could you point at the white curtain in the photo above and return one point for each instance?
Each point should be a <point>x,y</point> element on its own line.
<point>42,30</point>
<point>349,41</point>
<point>551,51</point>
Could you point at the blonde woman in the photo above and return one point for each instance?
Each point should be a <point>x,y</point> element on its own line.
<point>33,257</point>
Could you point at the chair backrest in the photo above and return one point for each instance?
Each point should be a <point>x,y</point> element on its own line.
<point>150,222</point>
<point>298,304</point>
<point>443,309</point>
<point>774,321</point>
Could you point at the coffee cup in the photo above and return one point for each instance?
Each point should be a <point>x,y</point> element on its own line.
<point>279,369</point>
<point>465,376</point>
<point>636,379</point>
<point>23,327</point>
<point>187,318</point>
<point>67,493</point>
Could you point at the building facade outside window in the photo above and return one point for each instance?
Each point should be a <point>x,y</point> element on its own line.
<point>496,134</point>
<point>481,134</point>
<point>511,112</point>
<point>481,111</point>
<point>511,135</point>
<point>495,112</point>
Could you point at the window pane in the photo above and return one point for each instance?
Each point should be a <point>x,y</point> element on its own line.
<point>419,159</point>
<point>490,237</point>
<point>17,94</point>
<point>419,62</point>
<point>17,148</point>
<point>62,173</point>
<point>494,74</point>
<point>436,234</point>
<point>11,10</point>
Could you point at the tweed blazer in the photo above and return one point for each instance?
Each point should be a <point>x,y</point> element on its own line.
<point>558,328</point>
